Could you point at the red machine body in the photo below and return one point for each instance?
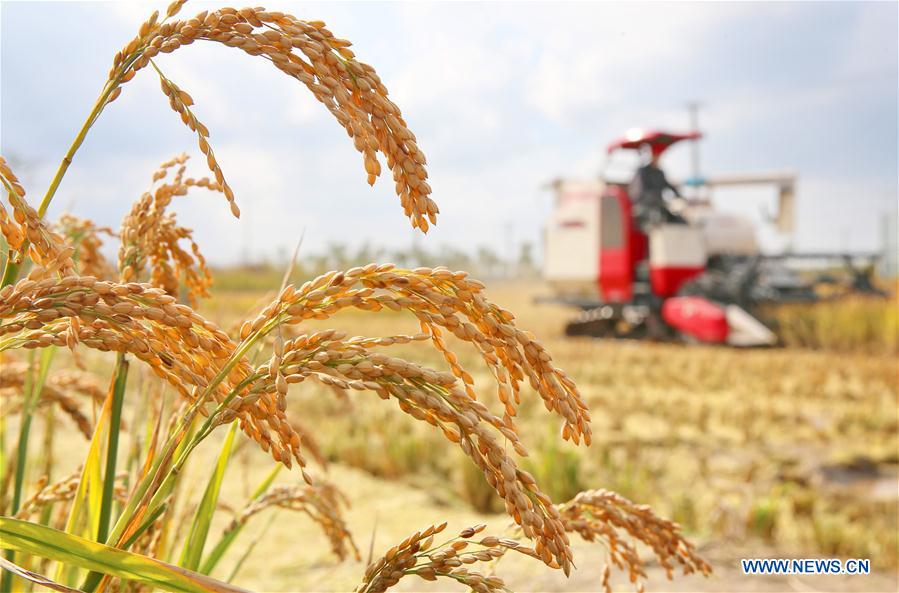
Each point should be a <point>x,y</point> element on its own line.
<point>622,245</point>
<point>666,281</point>
<point>696,317</point>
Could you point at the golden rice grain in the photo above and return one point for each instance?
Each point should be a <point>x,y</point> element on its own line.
<point>179,345</point>
<point>151,237</point>
<point>417,555</point>
<point>429,396</point>
<point>601,515</point>
<point>86,239</point>
<point>310,53</point>
<point>62,491</point>
<point>25,231</point>
<point>57,390</point>
<point>442,301</point>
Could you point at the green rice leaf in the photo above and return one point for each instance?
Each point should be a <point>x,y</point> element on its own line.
<point>90,488</point>
<point>120,380</point>
<point>199,529</point>
<point>229,536</point>
<point>46,542</point>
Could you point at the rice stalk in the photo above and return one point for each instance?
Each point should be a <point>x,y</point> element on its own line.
<point>31,388</point>
<point>69,299</point>
<point>117,400</point>
<point>192,551</point>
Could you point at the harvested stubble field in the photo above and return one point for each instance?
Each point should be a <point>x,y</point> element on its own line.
<point>758,453</point>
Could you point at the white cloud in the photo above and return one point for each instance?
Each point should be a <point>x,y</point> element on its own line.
<point>502,96</point>
<point>868,55</point>
<point>589,55</point>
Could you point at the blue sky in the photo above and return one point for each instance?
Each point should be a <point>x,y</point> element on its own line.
<point>503,97</point>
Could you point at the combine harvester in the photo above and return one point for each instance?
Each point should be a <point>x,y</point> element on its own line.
<point>700,280</point>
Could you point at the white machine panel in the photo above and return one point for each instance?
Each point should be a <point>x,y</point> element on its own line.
<point>728,234</point>
<point>571,262</point>
<point>676,246</point>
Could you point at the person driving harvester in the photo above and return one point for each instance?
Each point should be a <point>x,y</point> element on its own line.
<point>646,191</point>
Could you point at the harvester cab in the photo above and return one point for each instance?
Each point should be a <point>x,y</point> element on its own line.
<point>686,273</point>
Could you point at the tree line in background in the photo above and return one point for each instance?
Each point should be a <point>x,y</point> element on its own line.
<point>483,261</point>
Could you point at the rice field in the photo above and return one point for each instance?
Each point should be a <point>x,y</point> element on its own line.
<point>757,453</point>
<point>787,451</point>
<point>381,428</point>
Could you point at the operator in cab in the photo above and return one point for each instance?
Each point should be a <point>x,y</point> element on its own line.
<point>647,192</point>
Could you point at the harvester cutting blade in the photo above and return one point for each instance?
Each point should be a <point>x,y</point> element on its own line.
<point>746,330</point>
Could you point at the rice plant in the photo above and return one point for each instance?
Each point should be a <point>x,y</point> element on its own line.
<point>127,519</point>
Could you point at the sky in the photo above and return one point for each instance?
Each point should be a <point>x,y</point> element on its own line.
<point>503,98</point>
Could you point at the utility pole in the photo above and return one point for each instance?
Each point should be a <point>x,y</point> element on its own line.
<point>695,175</point>
<point>510,261</point>
<point>889,261</point>
<point>246,239</point>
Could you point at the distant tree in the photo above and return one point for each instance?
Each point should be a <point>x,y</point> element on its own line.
<point>526,265</point>
<point>455,259</point>
<point>489,262</point>
<point>400,258</point>
<point>418,256</point>
<point>366,254</point>
<point>338,256</point>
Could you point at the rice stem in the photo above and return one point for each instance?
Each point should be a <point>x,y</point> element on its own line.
<point>120,380</point>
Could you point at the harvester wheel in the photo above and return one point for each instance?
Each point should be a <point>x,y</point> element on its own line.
<point>596,328</point>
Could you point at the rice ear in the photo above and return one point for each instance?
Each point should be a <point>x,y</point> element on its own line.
<point>308,52</point>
